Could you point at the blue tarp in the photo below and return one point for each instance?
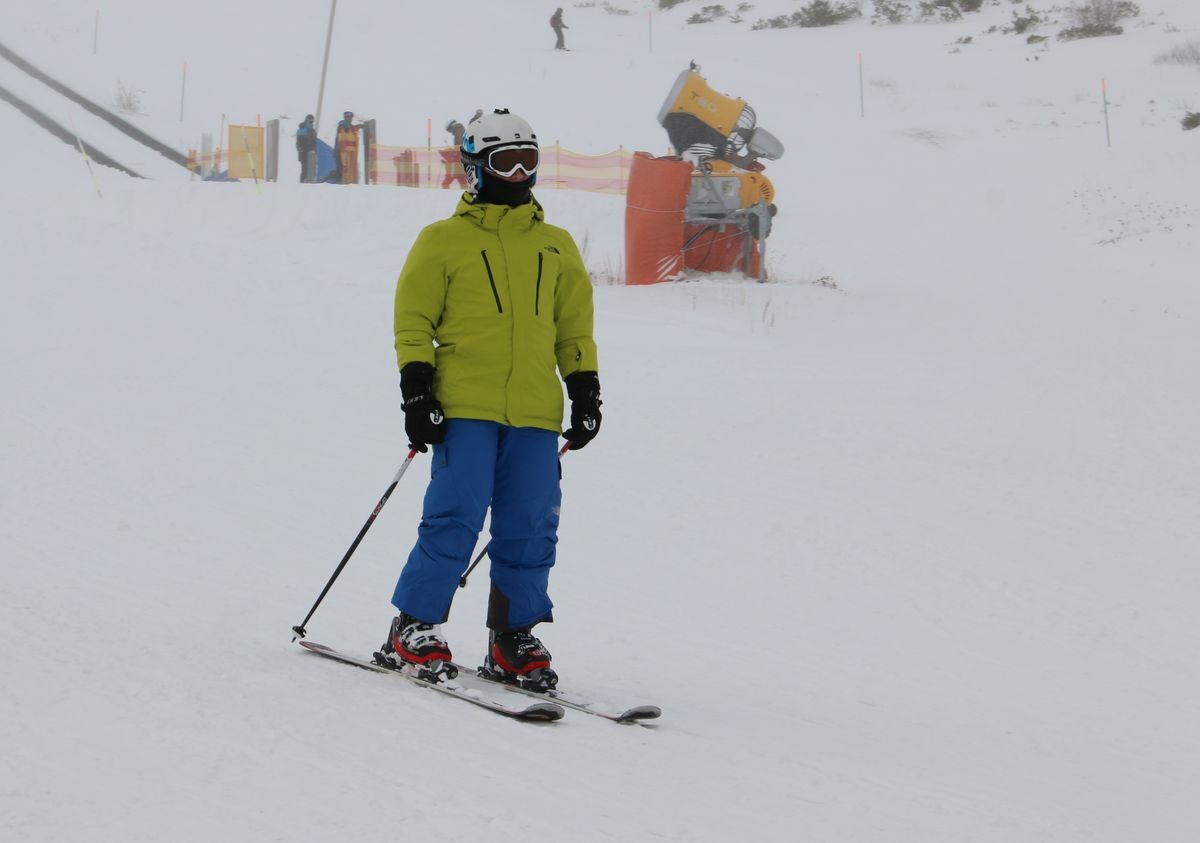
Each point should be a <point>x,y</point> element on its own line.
<point>326,166</point>
<point>325,163</point>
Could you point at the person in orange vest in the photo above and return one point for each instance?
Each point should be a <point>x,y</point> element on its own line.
<point>345,148</point>
<point>451,158</point>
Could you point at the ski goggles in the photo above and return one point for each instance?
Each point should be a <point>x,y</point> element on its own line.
<point>505,162</point>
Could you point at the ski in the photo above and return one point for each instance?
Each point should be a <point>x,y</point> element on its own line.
<point>633,714</point>
<point>542,711</point>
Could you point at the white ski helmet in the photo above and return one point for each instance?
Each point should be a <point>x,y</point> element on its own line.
<point>500,145</point>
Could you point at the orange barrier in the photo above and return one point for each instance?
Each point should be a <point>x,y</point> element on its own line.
<point>608,173</point>
<point>718,249</point>
<point>654,211</point>
<point>214,160</point>
<point>439,167</point>
<point>452,164</point>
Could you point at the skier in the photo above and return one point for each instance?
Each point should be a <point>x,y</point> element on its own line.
<point>556,23</point>
<point>345,148</point>
<point>488,304</point>
<point>306,143</point>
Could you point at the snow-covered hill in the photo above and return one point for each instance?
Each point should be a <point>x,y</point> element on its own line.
<point>902,542</point>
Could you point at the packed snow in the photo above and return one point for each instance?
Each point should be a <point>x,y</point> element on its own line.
<point>903,542</point>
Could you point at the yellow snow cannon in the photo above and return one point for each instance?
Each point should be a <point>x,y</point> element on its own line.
<point>704,124</point>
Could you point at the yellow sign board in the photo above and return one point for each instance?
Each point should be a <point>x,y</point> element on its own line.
<point>246,145</point>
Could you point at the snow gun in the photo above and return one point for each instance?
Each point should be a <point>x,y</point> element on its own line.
<point>708,207</point>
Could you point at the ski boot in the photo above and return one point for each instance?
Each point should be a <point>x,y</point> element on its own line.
<point>418,646</point>
<point>518,658</point>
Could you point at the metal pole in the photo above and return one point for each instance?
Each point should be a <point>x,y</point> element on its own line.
<point>324,67</point>
<point>299,630</point>
<point>206,155</point>
<point>182,91</point>
<point>271,153</point>
<point>368,145</point>
<point>1107,132</point>
<point>96,34</point>
<point>862,99</point>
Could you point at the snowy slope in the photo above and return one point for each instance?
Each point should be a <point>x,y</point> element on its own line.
<point>903,542</point>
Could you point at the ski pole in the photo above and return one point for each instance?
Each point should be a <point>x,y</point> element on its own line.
<point>462,583</point>
<point>300,630</point>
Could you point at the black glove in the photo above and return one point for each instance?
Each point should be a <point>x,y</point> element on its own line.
<point>423,419</point>
<point>583,388</point>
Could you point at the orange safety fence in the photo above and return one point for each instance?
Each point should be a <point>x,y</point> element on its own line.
<point>440,167</point>
<point>215,160</point>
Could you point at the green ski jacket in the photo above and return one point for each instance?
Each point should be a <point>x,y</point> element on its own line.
<point>495,299</point>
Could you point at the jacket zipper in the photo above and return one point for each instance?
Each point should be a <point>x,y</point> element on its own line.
<point>491,280</point>
<point>537,293</point>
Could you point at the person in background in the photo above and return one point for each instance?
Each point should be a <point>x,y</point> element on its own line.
<point>306,148</point>
<point>489,304</point>
<point>345,148</point>
<point>556,23</point>
<point>450,157</point>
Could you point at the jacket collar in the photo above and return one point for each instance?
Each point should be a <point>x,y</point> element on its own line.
<point>490,216</point>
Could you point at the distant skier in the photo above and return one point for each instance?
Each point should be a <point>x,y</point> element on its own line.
<point>306,148</point>
<point>489,303</point>
<point>456,130</point>
<point>556,23</point>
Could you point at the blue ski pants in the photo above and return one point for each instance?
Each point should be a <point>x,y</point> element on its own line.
<point>515,472</point>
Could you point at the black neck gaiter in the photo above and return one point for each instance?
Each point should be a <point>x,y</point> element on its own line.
<point>497,192</point>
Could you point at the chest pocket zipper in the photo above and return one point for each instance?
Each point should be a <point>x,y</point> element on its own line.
<point>492,279</point>
<point>537,292</point>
